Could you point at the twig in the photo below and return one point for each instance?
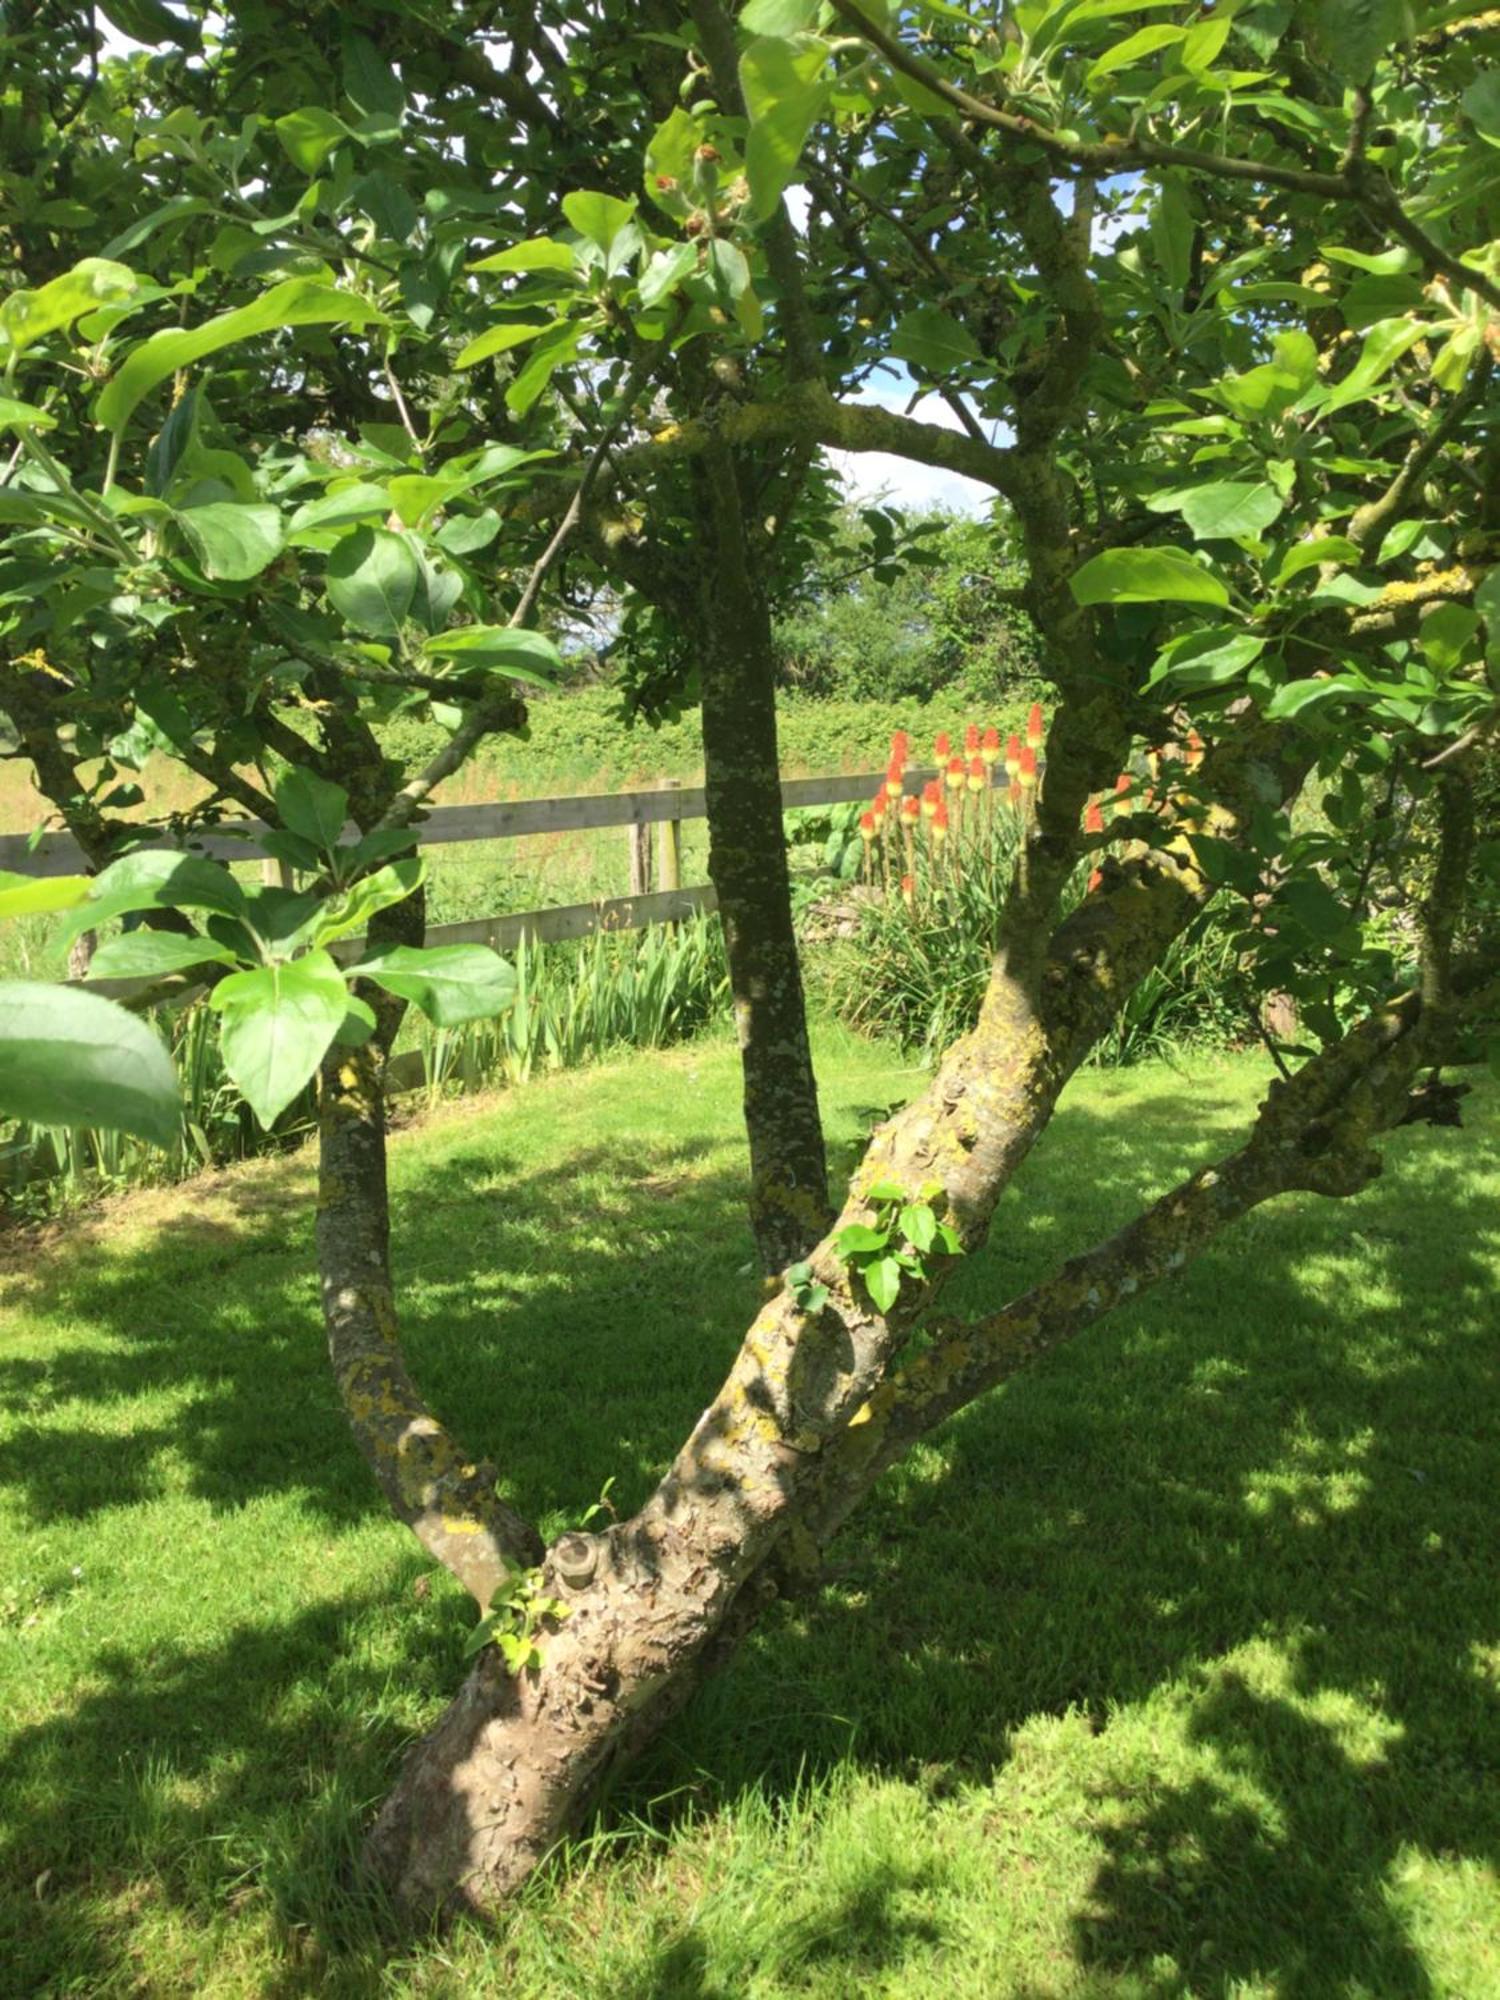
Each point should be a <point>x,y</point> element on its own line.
<point>502,709</point>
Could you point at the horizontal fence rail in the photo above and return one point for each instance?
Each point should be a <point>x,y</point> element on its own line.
<point>239,840</point>
<point>665,806</point>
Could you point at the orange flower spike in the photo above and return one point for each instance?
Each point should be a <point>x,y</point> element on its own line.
<point>1027,772</point>
<point>932,798</point>
<point>955,774</point>
<point>911,810</point>
<point>1093,818</point>
<point>942,747</point>
<point>978,776</point>
<point>1013,795</point>
<point>900,746</point>
<point>971,740</point>
<point>1013,757</point>
<point>909,890</point>
<point>940,823</point>
<point>894,778</point>
<point>989,748</point>
<point>867,827</point>
<point>1035,728</point>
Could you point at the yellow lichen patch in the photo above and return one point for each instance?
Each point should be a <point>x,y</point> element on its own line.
<point>455,1524</point>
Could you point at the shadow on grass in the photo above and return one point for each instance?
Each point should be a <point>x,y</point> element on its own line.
<point>1285,1450</point>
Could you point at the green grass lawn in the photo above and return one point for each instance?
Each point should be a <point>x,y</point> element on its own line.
<point>1172,1669</point>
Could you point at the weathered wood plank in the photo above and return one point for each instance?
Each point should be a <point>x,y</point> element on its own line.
<point>239,840</point>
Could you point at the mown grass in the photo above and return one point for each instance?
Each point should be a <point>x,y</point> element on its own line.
<point>1173,1669</point>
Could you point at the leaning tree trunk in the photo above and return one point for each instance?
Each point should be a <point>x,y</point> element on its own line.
<point>747,864</point>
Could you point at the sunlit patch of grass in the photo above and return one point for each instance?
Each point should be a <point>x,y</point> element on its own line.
<point>1169,1670</point>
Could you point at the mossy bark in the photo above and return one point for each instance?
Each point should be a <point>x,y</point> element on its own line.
<point>747,864</point>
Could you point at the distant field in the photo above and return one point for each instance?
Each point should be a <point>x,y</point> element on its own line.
<point>578,745</point>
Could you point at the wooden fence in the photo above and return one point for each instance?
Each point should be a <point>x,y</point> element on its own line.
<point>664,807</point>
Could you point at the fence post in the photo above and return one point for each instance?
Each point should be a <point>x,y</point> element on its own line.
<point>639,838</point>
<point>670,851</point>
<point>276,874</point>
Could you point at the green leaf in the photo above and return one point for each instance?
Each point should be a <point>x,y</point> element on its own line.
<point>352,911</point>
<point>1352,35</point>
<point>313,807</point>
<point>1171,229</point>
<point>1135,48</point>
<point>69,1057</point>
<point>882,1278</point>
<point>155,880</point>
<point>858,1239</point>
<point>1146,576</point>
<point>933,340</point>
<point>918,1225</point>
<point>232,542</point>
<point>39,895</point>
<point>29,316</point>
<point>778,17</point>
<point>16,416</point>
<point>785,90</point>
<point>1482,102</point>
<point>1445,633</point>
<point>1384,344</point>
<point>310,135</point>
<point>154,954</point>
<point>499,649</point>
<point>1224,510</point>
<point>356,501</point>
<point>372,579</point>
<point>538,253</point>
<point>296,302</point>
<point>450,983</point>
<point>1312,555</point>
<point>500,339</point>
<point>370,84</point>
<point>1206,659</point>
<point>275,1028</point>
<point>597,217</point>
<point>552,351</point>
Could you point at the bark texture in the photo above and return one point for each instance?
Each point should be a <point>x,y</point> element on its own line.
<point>747,864</point>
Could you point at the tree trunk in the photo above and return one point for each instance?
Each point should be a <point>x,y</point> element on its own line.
<point>747,864</point>
<point>516,1761</point>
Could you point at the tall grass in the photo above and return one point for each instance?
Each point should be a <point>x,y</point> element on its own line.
<point>916,969</point>
<point>642,989</point>
<point>639,989</point>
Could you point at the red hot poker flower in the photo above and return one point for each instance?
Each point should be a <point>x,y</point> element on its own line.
<point>893,777</point>
<point>942,747</point>
<point>971,740</point>
<point>867,827</point>
<point>900,746</point>
<point>1027,772</point>
<point>989,747</point>
<point>1012,757</point>
<point>932,798</point>
<point>940,822</point>
<point>910,809</point>
<point>1035,732</point>
<point>955,773</point>
<point>978,776</point>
